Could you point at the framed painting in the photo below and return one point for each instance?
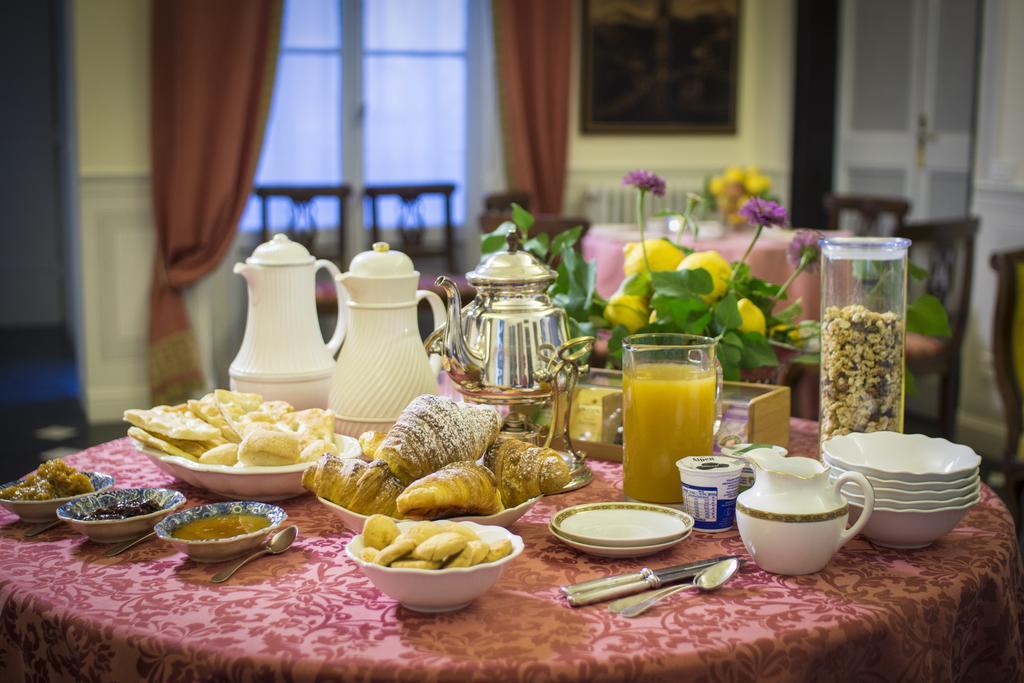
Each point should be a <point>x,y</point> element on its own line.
<point>659,66</point>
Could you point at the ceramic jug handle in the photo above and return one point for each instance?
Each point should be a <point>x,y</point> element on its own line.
<point>437,308</point>
<point>339,329</point>
<point>869,503</point>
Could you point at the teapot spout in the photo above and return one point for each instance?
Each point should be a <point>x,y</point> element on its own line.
<point>453,343</point>
<point>242,269</point>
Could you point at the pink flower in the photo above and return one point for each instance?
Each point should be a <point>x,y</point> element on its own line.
<point>804,249</point>
<point>764,213</point>
<point>645,181</point>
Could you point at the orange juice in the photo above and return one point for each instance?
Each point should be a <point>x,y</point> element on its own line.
<point>669,414</point>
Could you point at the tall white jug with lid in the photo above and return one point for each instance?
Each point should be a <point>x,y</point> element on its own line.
<point>382,365</point>
<point>283,355</point>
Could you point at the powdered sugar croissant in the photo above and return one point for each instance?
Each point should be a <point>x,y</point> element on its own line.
<point>434,431</point>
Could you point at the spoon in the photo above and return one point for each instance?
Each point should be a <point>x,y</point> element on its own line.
<point>279,542</point>
<point>708,580</point>
<point>35,531</point>
<point>117,550</point>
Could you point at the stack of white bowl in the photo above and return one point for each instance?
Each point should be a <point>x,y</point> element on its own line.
<point>923,486</point>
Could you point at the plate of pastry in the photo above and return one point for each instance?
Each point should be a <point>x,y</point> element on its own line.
<point>440,460</point>
<point>237,445</point>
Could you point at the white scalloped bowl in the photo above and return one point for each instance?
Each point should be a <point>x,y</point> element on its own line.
<point>916,497</point>
<point>905,457</point>
<point>505,518</point>
<point>908,529</point>
<point>264,484</point>
<point>438,590</point>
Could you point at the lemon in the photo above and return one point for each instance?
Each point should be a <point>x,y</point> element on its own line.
<point>661,254</point>
<point>757,184</point>
<point>753,318</point>
<point>733,174</point>
<point>628,310</point>
<point>718,268</point>
<point>716,185</point>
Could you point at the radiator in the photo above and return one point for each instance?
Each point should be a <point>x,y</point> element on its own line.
<point>617,204</point>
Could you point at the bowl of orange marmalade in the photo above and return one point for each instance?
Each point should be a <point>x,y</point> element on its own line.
<point>220,531</point>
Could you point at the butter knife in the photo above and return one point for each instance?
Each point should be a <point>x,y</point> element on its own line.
<point>639,582</point>
<point>609,581</point>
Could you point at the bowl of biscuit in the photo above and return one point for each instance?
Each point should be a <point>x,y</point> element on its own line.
<point>237,445</point>
<point>432,566</point>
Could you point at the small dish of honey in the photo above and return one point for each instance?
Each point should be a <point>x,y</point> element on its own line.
<point>221,531</point>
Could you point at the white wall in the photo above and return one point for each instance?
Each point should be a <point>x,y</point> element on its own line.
<point>999,202</point>
<point>113,254</point>
<point>764,118</point>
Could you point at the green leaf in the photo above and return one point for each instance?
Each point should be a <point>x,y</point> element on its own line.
<point>522,218</point>
<point>926,315</point>
<point>698,325</point>
<point>574,288</point>
<point>808,359</point>
<point>682,282</point>
<point>730,371</point>
<point>916,272</point>
<point>495,241</point>
<point>538,246</point>
<point>678,309</point>
<point>732,338</point>
<point>727,314</point>
<point>615,343</point>
<point>729,354</point>
<point>565,240</point>
<point>757,351</point>
<point>638,284</point>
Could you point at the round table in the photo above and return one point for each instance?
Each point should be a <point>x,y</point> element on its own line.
<point>949,612</point>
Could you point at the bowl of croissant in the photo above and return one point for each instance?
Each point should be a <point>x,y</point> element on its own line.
<point>441,460</point>
<point>433,566</point>
<point>238,445</point>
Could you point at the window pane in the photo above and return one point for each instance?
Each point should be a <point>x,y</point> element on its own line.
<point>416,125</point>
<point>311,23</point>
<point>414,25</point>
<point>303,139</point>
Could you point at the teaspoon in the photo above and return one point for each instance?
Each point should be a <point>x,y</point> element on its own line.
<point>35,531</point>
<point>279,542</point>
<point>708,580</point>
<point>117,550</point>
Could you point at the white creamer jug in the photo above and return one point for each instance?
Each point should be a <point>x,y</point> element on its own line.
<point>283,355</point>
<point>382,365</point>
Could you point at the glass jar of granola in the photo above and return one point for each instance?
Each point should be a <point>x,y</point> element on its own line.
<point>863,313</point>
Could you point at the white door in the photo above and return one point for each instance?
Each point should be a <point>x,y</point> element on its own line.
<point>906,99</point>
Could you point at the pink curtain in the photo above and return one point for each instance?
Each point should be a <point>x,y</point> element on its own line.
<point>533,39</point>
<point>212,66</point>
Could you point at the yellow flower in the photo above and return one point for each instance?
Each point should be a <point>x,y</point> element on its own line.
<point>757,184</point>
<point>662,255</point>
<point>733,174</point>
<point>716,185</point>
<point>753,318</point>
<point>628,310</point>
<point>753,170</point>
<point>718,268</point>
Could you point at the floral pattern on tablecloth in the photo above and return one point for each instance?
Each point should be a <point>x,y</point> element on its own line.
<point>949,612</point>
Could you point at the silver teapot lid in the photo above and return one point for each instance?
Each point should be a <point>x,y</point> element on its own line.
<point>511,266</point>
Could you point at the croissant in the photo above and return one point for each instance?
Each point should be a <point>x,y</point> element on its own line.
<point>461,488</point>
<point>434,431</point>
<point>364,487</point>
<point>524,471</point>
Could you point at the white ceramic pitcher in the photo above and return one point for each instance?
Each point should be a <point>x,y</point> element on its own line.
<point>792,520</point>
<point>283,355</point>
<point>382,365</point>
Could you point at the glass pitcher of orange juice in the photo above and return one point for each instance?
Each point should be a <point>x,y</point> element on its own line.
<point>671,384</point>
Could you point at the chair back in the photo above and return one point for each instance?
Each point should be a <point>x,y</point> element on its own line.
<point>864,215</point>
<point>1008,343</point>
<point>945,248</point>
<point>303,225</point>
<point>501,202</point>
<point>411,224</point>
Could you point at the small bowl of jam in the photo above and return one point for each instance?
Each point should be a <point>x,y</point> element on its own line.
<point>120,514</point>
<point>221,531</point>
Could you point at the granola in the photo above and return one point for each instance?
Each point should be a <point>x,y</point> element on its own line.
<point>861,371</point>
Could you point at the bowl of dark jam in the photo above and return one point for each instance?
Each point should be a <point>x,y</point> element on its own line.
<point>120,514</point>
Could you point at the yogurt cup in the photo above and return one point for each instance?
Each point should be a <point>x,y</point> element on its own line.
<point>710,486</point>
<point>737,450</point>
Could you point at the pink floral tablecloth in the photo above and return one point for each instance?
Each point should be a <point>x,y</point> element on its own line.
<point>949,612</point>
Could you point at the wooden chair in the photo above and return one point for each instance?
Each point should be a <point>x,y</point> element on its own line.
<point>946,249</point>
<point>303,227</point>
<point>1008,357</point>
<point>501,202</point>
<point>411,225</point>
<point>868,213</point>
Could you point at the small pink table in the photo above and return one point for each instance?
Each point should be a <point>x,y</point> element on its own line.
<point>603,245</point>
<point>950,612</point>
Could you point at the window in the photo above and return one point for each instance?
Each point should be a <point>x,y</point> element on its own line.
<point>411,109</point>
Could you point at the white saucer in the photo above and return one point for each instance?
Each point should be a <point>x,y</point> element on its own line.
<point>621,525</point>
<point>612,551</point>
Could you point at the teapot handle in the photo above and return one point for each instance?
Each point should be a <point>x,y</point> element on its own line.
<point>869,503</point>
<point>339,329</point>
<point>437,308</point>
